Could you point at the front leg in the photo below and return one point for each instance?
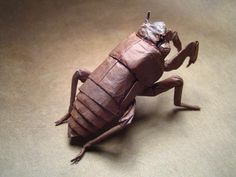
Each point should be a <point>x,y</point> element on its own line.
<point>81,75</point>
<point>167,84</point>
<point>174,37</point>
<point>191,50</point>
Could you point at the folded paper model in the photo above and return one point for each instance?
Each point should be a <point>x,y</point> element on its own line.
<point>105,103</point>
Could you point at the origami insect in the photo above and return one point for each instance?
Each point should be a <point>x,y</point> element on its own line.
<point>105,103</point>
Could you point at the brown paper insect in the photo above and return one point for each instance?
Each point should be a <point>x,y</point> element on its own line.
<point>105,103</point>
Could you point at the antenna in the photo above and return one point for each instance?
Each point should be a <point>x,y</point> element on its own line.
<point>147,17</point>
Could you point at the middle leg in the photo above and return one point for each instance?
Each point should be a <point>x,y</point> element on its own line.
<point>167,84</point>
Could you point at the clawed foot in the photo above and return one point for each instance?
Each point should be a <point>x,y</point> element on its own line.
<point>75,160</point>
<point>62,120</point>
<point>190,107</point>
<point>194,47</point>
<point>78,158</point>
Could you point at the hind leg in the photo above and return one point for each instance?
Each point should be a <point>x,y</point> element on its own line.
<point>124,121</point>
<point>81,75</point>
<point>167,84</point>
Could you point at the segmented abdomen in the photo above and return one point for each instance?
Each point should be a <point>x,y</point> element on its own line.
<point>88,119</point>
<point>102,99</point>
